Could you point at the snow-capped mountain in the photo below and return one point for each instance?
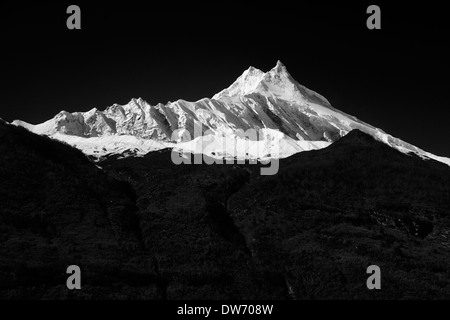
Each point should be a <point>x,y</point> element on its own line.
<point>290,117</point>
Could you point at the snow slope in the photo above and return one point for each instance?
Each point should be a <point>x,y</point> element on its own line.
<point>291,118</point>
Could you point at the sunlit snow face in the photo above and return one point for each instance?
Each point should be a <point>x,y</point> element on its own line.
<point>212,148</point>
<point>292,118</point>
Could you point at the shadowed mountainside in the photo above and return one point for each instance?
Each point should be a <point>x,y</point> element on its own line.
<point>145,228</point>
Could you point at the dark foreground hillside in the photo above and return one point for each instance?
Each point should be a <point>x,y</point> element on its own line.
<point>58,209</point>
<point>144,228</point>
<point>329,214</point>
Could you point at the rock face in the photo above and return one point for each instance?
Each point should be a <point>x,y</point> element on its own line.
<point>272,101</point>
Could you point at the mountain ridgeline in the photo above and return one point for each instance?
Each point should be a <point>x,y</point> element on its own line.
<point>295,117</point>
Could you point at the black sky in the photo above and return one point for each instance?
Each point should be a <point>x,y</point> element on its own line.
<point>395,78</point>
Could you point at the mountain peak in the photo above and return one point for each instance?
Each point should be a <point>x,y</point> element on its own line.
<point>279,68</point>
<point>251,74</point>
<point>252,70</point>
<point>358,137</point>
<point>247,82</point>
<point>254,79</point>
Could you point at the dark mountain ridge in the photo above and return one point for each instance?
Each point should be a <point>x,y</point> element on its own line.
<point>145,228</point>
